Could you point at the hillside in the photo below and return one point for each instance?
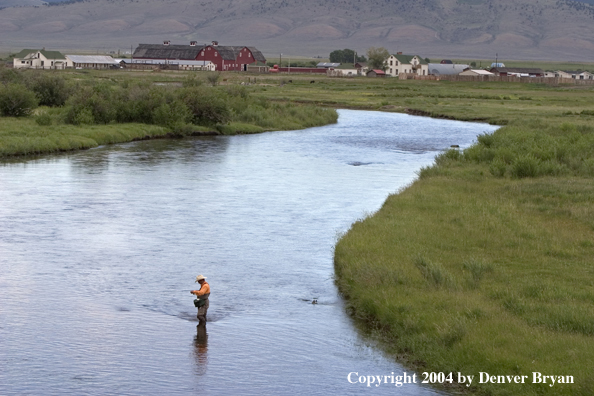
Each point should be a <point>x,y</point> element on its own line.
<point>525,29</point>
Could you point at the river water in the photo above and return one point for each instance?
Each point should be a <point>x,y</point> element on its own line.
<point>99,250</point>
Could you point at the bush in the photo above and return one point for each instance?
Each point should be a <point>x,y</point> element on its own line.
<point>525,166</point>
<point>208,107</point>
<point>43,119</point>
<point>213,78</point>
<point>172,115</point>
<point>16,100</point>
<point>51,90</point>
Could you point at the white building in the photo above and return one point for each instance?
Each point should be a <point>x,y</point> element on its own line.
<point>180,63</point>
<point>576,75</point>
<point>40,59</point>
<point>442,69</point>
<point>476,72</point>
<point>399,64</point>
<point>92,61</point>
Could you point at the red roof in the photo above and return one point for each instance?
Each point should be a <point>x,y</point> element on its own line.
<point>378,71</point>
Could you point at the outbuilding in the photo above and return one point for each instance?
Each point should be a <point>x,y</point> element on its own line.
<point>376,73</point>
<point>92,61</point>
<point>442,69</point>
<point>476,72</point>
<point>517,71</point>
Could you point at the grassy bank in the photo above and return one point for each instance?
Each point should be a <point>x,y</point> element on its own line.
<point>80,110</point>
<point>484,264</point>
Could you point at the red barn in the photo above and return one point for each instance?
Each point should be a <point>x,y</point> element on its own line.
<point>224,57</point>
<point>230,57</point>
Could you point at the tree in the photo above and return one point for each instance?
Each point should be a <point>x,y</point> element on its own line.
<point>377,57</point>
<point>345,56</point>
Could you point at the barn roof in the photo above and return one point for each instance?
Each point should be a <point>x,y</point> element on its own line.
<point>257,55</point>
<point>171,51</point>
<point>190,52</point>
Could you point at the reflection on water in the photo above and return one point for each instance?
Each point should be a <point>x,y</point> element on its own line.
<point>201,348</point>
<point>99,249</point>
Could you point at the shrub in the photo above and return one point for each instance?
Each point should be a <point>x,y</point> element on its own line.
<point>43,119</point>
<point>172,115</point>
<point>51,90</point>
<point>525,166</point>
<point>16,100</point>
<point>192,81</point>
<point>208,107</point>
<point>498,168</point>
<point>213,78</point>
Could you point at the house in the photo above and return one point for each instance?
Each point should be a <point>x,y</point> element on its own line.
<point>406,64</point>
<point>362,68</point>
<point>344,70</point>
<point>223,57</point>
<point>517,71</point>
<point>576,75</point>
<point>92,61</point>
<point>440,69</point>
<point>40,59</point>
<point>476,72</point>
<point>376,73</point>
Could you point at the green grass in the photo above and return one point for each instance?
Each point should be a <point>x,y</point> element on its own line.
<point>24,136</point>
<point>469,273</point>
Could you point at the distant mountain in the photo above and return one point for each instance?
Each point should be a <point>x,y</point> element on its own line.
<point>522,29</point>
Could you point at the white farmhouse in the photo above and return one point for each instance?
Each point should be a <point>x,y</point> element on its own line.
<point>398,65</point>
<point>40,59</point>
<point>576,75</point>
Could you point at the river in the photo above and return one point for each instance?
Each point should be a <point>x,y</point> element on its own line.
<point>99,250</point>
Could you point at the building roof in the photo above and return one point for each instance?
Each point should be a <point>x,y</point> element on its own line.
<point>328,64</point>
<point>171,51</point>
<point>376,71</point>
<point>47,54</point>
<point>408,58</point>
<point>446,68</point>
<point>521,70</point>
<point>578,72</point>
<point>257,54</point>
<point>190,52</point>
<point>481,72</point>
<point>100,59</point>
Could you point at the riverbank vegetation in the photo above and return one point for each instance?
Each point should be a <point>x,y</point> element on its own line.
<point>45,112</point>
<point>484,264</point>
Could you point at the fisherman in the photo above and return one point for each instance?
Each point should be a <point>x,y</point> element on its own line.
<point>202,295</point>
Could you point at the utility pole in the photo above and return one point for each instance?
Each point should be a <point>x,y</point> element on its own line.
<point>280,63</point>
